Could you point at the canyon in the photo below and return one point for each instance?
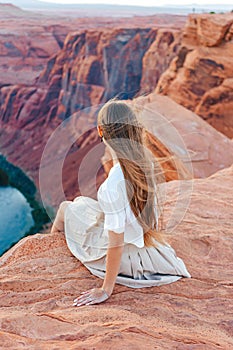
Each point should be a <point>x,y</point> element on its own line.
<point>40,278</point>
<point>78,78</point>
<point>55,74</point>
<point>79,74</point>
<point>28,39</point>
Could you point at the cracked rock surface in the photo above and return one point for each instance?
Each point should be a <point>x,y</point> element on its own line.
<point>40,278</point>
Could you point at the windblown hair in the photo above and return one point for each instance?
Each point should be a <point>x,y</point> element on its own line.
<point>124,134</point>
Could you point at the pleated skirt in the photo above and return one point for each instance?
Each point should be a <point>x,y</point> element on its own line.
<point>140,267</point>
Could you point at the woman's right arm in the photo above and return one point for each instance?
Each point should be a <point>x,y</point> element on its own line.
<point>114,254</point>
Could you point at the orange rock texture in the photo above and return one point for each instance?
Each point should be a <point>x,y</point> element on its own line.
<point>40,279</point>
<point>158,57</point>
<point>84,71</point>
<point>80,74</point>
<point>201,76</point>
<point>45,77</point>
<point>28,39</point>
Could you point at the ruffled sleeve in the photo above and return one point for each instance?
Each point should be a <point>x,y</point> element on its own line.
<point>113,204</point>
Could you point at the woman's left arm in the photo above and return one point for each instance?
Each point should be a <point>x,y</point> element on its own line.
<point>114,254</point>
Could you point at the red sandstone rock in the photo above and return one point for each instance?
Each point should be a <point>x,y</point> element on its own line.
<point>216,101</point>
<point>158,57</point>
<point>211,29</point>
<point>89,62</point>
<point>199,77</point>
<point>28,39</point>
<point>81,74</point>
<point>89,76</point>
<point>40,278</point>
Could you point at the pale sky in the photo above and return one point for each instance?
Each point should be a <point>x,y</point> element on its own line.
<point>144,2</point>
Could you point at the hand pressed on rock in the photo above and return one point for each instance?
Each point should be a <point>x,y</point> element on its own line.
<point>91,296</point>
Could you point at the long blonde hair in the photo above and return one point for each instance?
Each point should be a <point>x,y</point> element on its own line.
<point>124,134</point>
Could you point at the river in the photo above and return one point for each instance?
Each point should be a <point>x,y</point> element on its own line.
<point>15,217</point>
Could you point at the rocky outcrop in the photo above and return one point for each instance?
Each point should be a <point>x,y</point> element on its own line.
<point>200,77</point>
<point>93,58</point>
<point>83,73</point>
<point>40,278</point>
<point>28,39</point>
<point>158,57</point>
<point>86,67</point>
<point>208,29</point>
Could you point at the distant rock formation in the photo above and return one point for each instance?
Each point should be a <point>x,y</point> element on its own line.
<point>158,57</point>
<point>97,65</point>
<point>91,67</point>
<point>40,278</point>
<point>11,10</point>
<point>28,39</point>
<point>201,76</point>
<point>26,44</point>
<point>81,74</point>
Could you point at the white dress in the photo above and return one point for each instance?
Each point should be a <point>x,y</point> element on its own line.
<point>87,222</point>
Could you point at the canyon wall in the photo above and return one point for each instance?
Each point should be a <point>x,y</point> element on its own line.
<point>95,66</point>
<point>39,276</point>
<point>91,67</point>
<point>88,68</point>
<point>28,39</point>
<point>201,76</point>
<point>158,57</point>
